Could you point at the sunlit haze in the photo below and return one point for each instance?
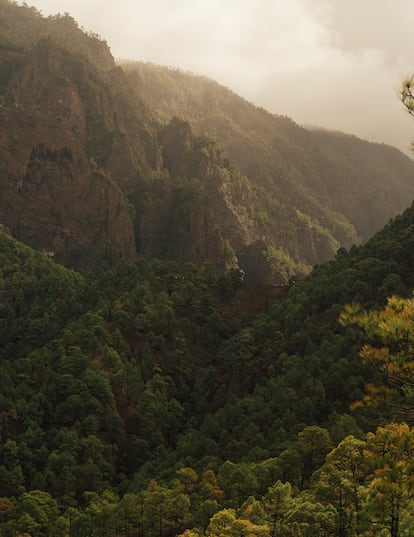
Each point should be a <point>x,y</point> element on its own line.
<point>331,63</point>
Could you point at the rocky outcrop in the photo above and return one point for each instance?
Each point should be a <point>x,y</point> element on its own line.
<point>68,210</point>
<point>205,210</point>
<point>54,196</point>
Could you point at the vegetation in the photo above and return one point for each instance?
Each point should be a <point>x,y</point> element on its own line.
<point>23,26</point>
<point>134,400</point>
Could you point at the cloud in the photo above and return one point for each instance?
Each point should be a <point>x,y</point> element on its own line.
<point>344,91</point>
<point>372,24</point>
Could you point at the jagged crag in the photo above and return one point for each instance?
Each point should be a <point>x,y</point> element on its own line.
<point>94,165</point>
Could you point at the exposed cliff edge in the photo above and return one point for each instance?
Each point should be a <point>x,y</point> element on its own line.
<point>54,196</point>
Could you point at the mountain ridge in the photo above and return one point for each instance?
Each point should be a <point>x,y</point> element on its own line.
<point>217,111</point>
<point>268,202</point>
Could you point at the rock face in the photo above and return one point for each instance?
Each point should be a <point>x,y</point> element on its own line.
<point>82,171</point>
<point>68,210</point>
<point>205,210</point>
<point>87,174</point>
<point>186,215</point>
<point>53,194</point>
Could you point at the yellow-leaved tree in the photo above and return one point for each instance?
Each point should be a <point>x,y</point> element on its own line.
<point>390,350</point>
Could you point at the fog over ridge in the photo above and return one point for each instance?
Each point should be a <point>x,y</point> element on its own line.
<point>333,63</point>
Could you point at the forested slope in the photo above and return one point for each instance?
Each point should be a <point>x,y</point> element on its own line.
<point>142,372</point>
<point>162,397</point>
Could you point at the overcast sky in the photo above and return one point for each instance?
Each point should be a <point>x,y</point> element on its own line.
<point>332,63</point>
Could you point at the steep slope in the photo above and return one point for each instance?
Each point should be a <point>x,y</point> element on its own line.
<point>54,195</point>
<point>78,148</point>
<point>141,370</point>
<point>63,124</point>
<point>348,186</point>
<point>210,212</point>
<point>87,172</point>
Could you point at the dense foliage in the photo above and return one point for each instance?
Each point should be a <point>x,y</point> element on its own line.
<point>141,399</point>
<point>24,26</point>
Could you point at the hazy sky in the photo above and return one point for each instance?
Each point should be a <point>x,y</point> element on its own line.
<point>333,63</point>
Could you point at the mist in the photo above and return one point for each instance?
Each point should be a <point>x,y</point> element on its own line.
<point>336,64</point>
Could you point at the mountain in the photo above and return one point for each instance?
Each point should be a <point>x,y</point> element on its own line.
<point>348,186</point>
<point>91,169</point>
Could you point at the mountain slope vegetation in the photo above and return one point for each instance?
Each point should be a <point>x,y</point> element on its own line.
<point>140,383</point>
<point>158,391</point>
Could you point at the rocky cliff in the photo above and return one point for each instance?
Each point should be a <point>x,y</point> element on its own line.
<point>87,173</point>
<point>207,211</point>
<point>54,195</point>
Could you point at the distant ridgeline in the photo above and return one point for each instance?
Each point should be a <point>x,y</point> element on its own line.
<point>102,162</point>
<point>347,186</point>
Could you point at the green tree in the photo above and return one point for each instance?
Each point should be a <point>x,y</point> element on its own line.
<point>188,479</point>
<point>102,509</point>
<point>390,453</point>
<point>157,506</point>
<point>277,503</point>
<point>390,348</point>
<point>36,513</point>
<point>309,519</point>
<point>312,446</point>
<point>225,523</point>
<point>11,473</point>
<point>340,481</point>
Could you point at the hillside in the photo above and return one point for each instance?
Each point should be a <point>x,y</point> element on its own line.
<point>154,382</point>
<point>143,393</point>
<point>349,186</point>
<point>87,173</point>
